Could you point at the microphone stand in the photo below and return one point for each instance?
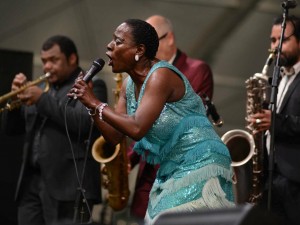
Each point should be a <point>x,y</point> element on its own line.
<point>273,102</point>
<point>80,198</point>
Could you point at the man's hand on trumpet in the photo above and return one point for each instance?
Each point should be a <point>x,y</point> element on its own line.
<point>30,95</point>
<point>19,81</point>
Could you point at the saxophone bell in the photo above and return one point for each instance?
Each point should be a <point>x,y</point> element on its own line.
<point>241,145</point>
<point>114,171</point>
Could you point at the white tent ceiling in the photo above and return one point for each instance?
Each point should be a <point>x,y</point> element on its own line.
<point>231,35</point>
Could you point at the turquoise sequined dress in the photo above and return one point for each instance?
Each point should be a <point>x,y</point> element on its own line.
<point>194,163</point>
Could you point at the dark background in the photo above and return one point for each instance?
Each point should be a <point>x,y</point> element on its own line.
<point>11,63</point>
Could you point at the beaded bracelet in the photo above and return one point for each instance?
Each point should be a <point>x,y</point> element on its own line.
<point>90,110</point>
<point>100,109</point>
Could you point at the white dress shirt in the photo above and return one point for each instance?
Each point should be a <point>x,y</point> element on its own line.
<point>287,78</point>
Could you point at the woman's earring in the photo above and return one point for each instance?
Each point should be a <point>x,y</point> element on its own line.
<point>136,57</point>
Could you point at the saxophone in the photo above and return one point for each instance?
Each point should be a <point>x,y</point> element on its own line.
<point>246,147</point>
<point>115,165</point>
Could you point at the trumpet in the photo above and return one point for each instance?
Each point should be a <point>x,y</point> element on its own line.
<point>14,104</point>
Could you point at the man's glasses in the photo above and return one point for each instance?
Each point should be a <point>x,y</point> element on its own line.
<point>163,36</point>
<point>273,40</point>
<point>288,37</point>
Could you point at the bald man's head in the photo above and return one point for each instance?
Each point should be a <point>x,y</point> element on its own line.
<point>167,45</point>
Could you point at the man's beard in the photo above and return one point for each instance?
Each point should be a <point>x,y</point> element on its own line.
<point>288,61</point>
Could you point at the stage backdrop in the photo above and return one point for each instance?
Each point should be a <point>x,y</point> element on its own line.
<point>11,63</point>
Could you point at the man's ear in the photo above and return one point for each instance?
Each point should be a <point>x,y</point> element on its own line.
<point>171,38</point>
<point>73,59</point>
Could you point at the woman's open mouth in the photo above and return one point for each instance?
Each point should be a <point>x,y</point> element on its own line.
<point>109,62</point>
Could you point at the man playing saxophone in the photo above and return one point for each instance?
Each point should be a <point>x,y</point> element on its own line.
<point>285,198</point>
<point>52,176</point>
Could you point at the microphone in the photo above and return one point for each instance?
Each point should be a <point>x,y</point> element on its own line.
<point>212,111</point>
<point>289,4</point>
<point>95,68</point>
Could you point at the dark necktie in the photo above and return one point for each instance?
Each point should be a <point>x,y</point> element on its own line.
<point>39,125</point>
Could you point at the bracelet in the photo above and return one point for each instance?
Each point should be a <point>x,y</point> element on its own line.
<point>90,110</point>
<point>100,109</point>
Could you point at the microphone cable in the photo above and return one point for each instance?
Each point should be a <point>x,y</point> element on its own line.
<point>80,180</point>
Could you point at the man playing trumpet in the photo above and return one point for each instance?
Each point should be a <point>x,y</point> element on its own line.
<point>52,178</point>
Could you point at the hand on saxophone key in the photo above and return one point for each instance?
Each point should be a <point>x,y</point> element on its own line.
<point>260,121</point>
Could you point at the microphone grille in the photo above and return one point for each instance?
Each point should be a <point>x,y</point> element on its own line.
<point>99,63</point>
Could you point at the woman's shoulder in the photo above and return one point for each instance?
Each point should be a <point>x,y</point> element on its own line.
<point>162,64</point>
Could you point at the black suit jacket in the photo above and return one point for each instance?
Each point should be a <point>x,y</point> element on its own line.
<point>287,133</point>
<point>61,161</point>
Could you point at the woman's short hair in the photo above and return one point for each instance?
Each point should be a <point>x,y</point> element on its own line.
<point>144,33</point>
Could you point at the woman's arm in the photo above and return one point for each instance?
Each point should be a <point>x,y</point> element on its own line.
<point>163,86</point>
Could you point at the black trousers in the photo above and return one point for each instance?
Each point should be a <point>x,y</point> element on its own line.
<point>285,200</point>
<point>37,207</point>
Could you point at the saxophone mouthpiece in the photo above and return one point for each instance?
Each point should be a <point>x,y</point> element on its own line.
<point>269,60</point>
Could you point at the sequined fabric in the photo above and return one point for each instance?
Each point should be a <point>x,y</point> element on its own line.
<point>190,153</point>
